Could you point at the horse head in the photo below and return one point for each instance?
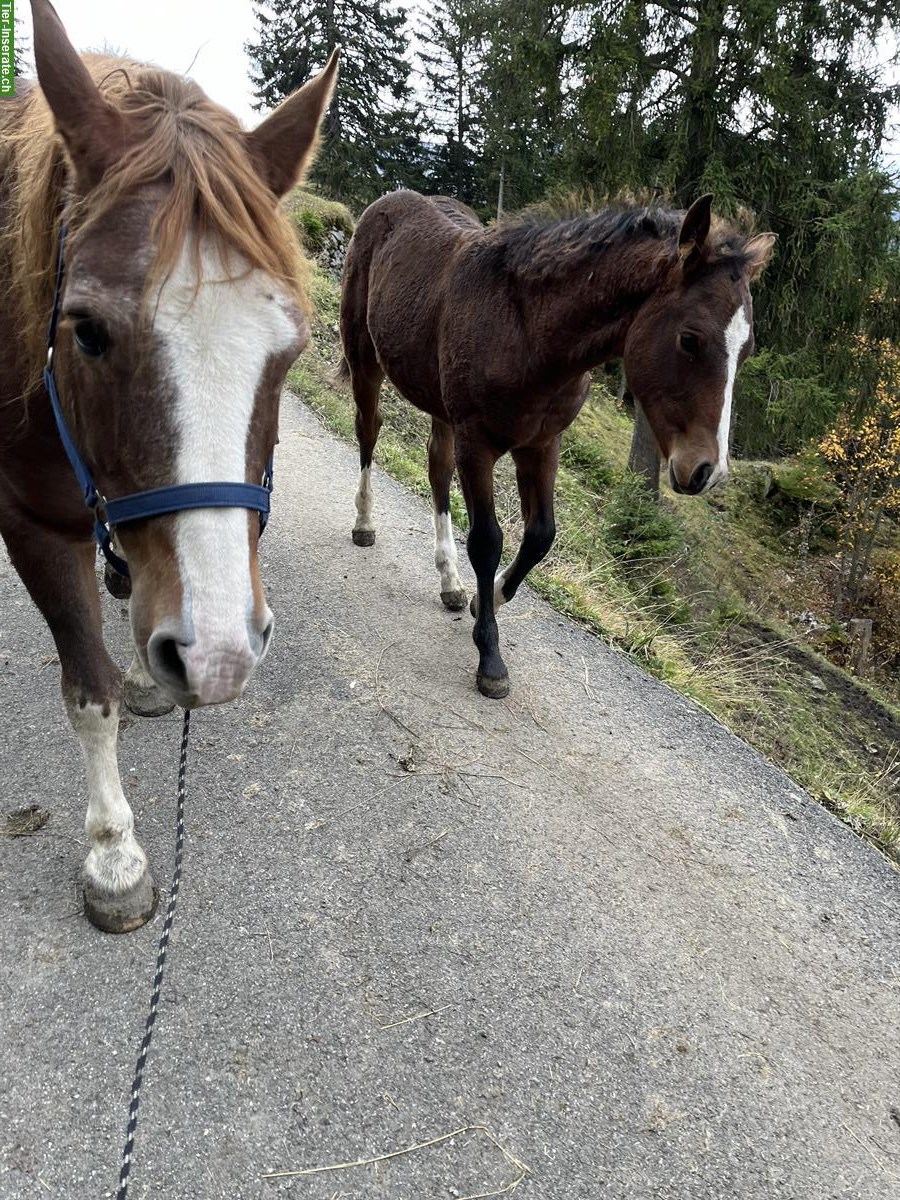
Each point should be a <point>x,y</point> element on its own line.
<point>686,343</point>
<point>182,308</point>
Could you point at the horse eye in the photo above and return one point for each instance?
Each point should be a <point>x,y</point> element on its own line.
<point>689,344</point>
<point>91,338</point>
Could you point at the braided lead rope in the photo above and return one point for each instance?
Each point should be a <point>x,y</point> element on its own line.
<point>128,1150</point>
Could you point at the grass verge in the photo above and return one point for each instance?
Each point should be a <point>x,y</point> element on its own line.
<point>694,591</point>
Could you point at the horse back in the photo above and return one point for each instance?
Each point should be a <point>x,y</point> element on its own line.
<point>404,253</point>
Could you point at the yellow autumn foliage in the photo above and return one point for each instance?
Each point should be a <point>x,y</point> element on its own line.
<point>863,455</point>
<point>866,450</point>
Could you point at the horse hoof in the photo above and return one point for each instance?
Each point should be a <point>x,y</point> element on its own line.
<point>363,537</point>
<point>494,689</point>
<point>455,601</point>
<point>146,701</point>
<point>117,585</point>
<point>120,912</point>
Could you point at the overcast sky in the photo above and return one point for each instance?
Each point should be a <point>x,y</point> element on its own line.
<point>171,32</point>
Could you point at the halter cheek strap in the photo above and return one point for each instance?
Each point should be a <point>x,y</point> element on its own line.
<point>139,506</point>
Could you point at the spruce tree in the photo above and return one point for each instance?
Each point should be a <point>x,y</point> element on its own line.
<point>780,109</point>
<point>450,54</point>
<point>24,61</point>
<point>369,138</point>
<point>520,94</point>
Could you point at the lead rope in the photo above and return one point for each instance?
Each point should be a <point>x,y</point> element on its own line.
<point>128,1150</point>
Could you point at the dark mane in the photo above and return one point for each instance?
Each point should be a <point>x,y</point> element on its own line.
<point>536,247</point>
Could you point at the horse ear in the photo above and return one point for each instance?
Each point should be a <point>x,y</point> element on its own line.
<point>283,145</point>
<point>695,228</point>
<point>758,251</point>
<point>93,131</point>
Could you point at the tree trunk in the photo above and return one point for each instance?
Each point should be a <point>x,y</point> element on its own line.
<point>644,456</point>
<point>500,191</point>
<point>701,116</point>
<point>860,637</point>
<point>460,126</point>
<point>331,126</point>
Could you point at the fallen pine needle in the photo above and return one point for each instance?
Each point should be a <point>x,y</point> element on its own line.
<point>871,1153</point>
<point>588,690</point>
<point>432,1012</point>
<point>445,1137</point>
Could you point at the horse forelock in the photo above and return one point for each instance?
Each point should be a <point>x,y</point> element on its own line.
<point>178,137</point>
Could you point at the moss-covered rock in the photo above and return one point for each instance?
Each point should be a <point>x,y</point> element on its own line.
<point>324,226</point>
<point>329,214</point>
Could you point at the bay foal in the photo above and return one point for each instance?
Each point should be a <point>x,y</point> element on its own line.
<point>493,333</point>
<point>183,305</point>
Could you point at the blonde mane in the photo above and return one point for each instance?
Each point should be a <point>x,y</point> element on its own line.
<point>183,138</point>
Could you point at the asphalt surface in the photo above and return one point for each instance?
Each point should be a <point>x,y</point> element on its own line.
<point>652,966</point>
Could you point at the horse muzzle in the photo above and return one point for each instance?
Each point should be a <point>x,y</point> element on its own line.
<point>196,671</point>
<point>703,478</point>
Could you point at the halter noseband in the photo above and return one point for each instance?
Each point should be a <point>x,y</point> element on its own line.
<point>157,501</point>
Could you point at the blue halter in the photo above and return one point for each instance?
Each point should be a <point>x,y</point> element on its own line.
<point>157,501</point>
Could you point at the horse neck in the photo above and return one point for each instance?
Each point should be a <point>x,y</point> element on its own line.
<point>579,311</point>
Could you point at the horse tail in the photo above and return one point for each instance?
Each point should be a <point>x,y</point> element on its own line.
<point>340,376</point>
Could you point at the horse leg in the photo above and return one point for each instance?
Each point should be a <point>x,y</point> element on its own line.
<point>440,473</point>
<point>535,475</point>
<point>485,545</point>
<point>366,388</point>
<point>119,893</point>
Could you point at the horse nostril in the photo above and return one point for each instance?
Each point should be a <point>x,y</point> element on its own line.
<point>259,638</point>
<point>164,654</point>
<point>267,634</point>
<point>699,479</point>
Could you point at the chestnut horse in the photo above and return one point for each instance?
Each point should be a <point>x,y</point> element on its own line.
<point>493,333</point>
<point>182,306</point>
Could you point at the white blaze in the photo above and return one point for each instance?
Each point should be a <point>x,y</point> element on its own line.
<point>216,335</point>
<point>736,335</point>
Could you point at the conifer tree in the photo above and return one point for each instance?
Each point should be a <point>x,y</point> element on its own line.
<point>370,140</point>
<point>519,92</point>
<point>450,54</point>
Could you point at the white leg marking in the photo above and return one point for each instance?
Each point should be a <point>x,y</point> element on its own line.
<point>499,580</point>
<point>736,335</point>
<point>217,335</point>
<point>115,862</point>
<point>445,554</point>
<point>365,503</point>
<point>499,599</point>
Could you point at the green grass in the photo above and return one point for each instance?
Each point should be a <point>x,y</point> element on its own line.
<point>694,590</point>
<point>332,213</point>
<point>314,216</point>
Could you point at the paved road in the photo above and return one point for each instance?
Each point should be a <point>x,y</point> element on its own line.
<point>653,967</point>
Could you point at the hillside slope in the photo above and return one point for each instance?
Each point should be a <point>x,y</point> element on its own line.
<point>698,592</point>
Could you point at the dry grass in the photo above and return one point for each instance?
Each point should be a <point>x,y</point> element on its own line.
<point>690,592</point>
